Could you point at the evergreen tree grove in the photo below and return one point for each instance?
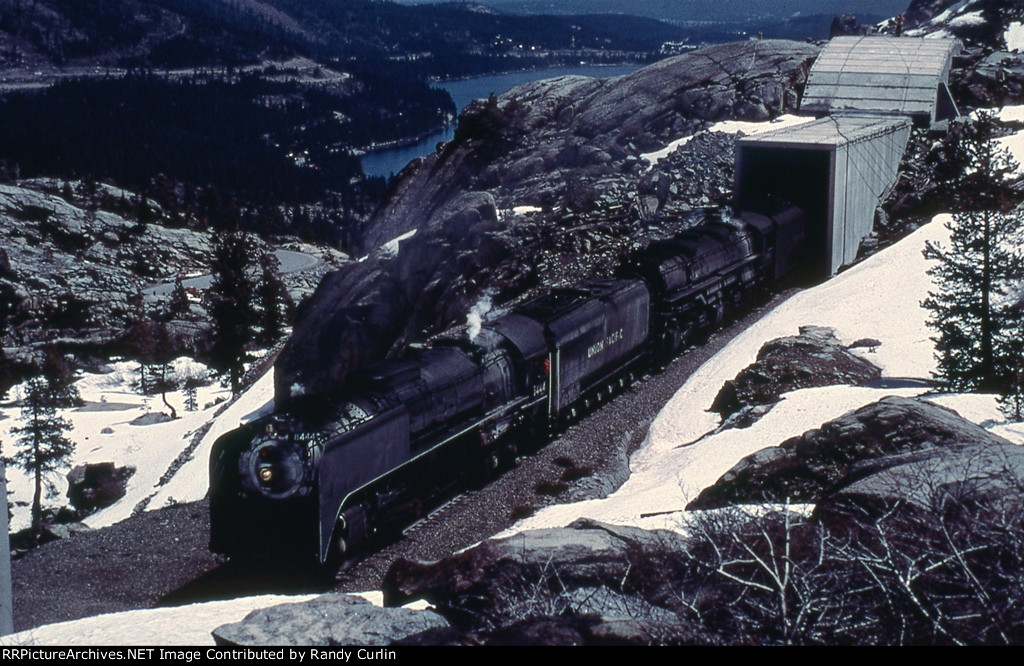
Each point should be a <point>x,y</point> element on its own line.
<point>974,311</point>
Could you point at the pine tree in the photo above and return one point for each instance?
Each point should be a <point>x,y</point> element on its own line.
<point>161,373</point>
<point>977,275</point>
<point>178,305</point>
<point>273,298</point>
<point>44,446</point>
<point>1012,400</point>
<point>142,343</point>
<point>231,305</point>
<point>191,390</point>
<point>60,381</point>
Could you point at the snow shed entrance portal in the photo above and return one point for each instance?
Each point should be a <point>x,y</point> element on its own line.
<point>801,177</point>
<point>836,169</point>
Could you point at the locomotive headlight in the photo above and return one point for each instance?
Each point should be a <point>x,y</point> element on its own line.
<point>276,468</point>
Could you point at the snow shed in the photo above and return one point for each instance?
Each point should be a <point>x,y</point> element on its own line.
<point>836,169</point>
<point>877,75</point>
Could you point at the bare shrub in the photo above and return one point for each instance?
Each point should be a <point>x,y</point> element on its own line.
<point>949,574</point>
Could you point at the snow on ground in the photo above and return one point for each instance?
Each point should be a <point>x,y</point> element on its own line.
<point>968,19</point>
<point>1014,36</point>
<point>953,15</point>
<point>391,247</point>
<point>741,127</point>
<point>103,432</point>
<point>192,480</point>
<point>523,210</point>
<point>945,18</point>
<point>1014,142</point>
<point>182,625</point>
<point>1011,114</point>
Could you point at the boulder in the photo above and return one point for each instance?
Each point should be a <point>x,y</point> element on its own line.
<point>811,466</point>
<point>331,619</point>
<point>976,477</point>
<point>813,358</point>
<point>662,628</point>
<point>846,24</point>
<point>97,485</point>
<point>993,80</point>
<point>152,418</point>
<point>584,568</point>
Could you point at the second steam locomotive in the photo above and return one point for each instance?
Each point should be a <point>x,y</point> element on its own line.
<point>322,476</point>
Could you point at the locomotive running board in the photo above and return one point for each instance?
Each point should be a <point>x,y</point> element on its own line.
<point>332,503</point>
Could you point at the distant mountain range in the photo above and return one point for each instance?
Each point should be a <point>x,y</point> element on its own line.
<point>189,33</point>
<point>682,11</point>
<point>443,39</point>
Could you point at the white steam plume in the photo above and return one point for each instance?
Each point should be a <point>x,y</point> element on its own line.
<point>475,318</point>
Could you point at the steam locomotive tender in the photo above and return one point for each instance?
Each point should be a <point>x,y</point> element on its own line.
<point>322,476</point>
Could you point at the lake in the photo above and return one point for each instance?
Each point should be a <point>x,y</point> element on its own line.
<point>392,160</point>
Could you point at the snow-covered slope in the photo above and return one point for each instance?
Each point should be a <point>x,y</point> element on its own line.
<point>879,298</point>
<point>182,625</point>
<point>103,432</point>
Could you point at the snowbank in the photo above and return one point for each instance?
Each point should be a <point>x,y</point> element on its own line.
<point>103,432</point>
<point>1014,36</point>
<point>183,625</point>
<point>1014,143</point>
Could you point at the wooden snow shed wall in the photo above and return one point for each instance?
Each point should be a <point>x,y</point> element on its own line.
<point>836,169</point>
<point>879,75</point>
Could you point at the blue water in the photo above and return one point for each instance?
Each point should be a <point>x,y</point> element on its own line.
<point>392,160</point>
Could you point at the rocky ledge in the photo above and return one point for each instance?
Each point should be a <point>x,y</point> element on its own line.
<point>883,450</point>
<point>588,583</point>
<point>79,263</point>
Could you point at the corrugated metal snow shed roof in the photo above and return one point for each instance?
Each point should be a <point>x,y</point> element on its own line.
<point>880,75</point>
<point>828,132</point>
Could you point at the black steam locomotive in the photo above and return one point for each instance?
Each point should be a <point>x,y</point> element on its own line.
<point>327,473</point>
